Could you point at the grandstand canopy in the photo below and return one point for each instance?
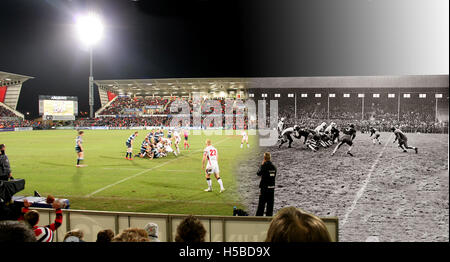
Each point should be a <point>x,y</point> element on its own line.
<point>185,86</point>
<point>173,86</point>
<point>7,79</point>
<point>409,81</point>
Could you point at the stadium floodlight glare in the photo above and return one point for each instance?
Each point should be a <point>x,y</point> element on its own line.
<point>90,31</point>
<point>90,28</point>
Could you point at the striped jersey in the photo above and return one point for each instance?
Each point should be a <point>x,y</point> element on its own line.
<point>131,138</point>
<point>144,145</point>
<point>46,233</point>
<point>79,140</point>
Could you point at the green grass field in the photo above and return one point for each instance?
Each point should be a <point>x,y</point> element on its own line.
<point>47,159</point>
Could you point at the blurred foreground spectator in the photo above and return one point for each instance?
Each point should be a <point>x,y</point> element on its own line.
<point>105,235</point>
<point>16,231</point>
<point>75,235</point>
<point>291,224</point>
<point>190,230</point>
<point>132,235</point>
<point>152,231</point>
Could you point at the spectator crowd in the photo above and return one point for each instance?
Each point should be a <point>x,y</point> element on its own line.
<point>126,112</point>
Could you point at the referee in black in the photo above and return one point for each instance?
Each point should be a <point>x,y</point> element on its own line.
<point>267,171</point>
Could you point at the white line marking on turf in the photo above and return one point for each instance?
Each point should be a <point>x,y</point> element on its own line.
<point>366,182</point>
<point>147,170</point>
<point>167,170</point>
<point>159,200</point>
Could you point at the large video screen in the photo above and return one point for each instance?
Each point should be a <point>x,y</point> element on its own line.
<point>58,106</point>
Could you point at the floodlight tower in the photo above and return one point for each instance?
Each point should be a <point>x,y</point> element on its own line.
<point>90,31</point>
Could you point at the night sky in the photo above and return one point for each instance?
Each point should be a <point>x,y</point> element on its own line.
<point>218,38</point>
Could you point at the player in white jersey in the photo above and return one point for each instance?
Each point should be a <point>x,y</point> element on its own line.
<point>168,146</point>
<point>210,155</point>
<point>177,140</point>
<point>280,127</point>
<point>244,139</point>
<point>320,129</point>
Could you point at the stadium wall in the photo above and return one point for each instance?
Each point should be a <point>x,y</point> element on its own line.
<point>218,228</point>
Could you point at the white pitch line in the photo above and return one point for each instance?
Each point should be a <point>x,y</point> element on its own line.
<point>145,171</point>
<point>159,200</point>
<point>366,182</point>
<point>167,170</point>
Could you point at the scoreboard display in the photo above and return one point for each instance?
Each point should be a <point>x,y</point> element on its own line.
<point>58,107</point>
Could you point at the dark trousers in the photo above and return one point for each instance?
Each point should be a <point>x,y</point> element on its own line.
<point>266,196</point>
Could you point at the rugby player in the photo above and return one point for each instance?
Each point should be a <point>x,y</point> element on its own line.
<point>402,140</point>
<point>168,146</point>
<point>129,144</point>
<point>320,135</point>
<point>79,148</point>
<point>177,140</point>
<point>186,143</point>
<point>286,135</point>
<point>145,149</point>
<point>210,155</point>
<point>347,138</point>
<point>280,127</point>
<point>244,139</point>
<point>376,135</point>
<point>332,132</point>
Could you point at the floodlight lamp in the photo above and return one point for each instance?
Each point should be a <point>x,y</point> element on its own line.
<point>90,28</point>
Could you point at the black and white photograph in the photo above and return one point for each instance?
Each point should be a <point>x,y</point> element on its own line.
<point>224,129</point>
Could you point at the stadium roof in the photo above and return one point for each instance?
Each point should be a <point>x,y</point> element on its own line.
<point>12,79</point>
<point>184,86</point>
<point>408,81</point>
<point>178,86</point>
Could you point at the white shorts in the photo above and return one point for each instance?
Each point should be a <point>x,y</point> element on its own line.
<point>169,149</point>
<point>212,169</point>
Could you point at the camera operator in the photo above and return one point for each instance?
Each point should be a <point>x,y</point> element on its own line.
<point>5,169</point>
<point>267,171</point>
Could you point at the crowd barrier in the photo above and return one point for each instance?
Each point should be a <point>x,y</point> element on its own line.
<point>11,129</point>
<point>218,228</point>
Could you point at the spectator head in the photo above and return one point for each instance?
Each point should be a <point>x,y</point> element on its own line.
<point>190,230</point>
<point>152,230</point>
<point>105,235</point>
<point>267,156</point>
<point>294,225</point>
<point>75,235</point>
<point>31,217</point>
<point>132,235</point>
<point>16,231</point>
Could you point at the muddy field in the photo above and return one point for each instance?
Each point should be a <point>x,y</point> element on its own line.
<point>380,194</point>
